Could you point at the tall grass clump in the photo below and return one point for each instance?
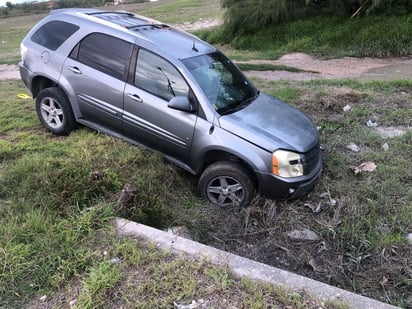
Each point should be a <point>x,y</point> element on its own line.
<point>327,36</point>
<point>249,16</point>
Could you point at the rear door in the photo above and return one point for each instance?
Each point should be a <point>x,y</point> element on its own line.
<point>97,70</point>
<point>147,117</point>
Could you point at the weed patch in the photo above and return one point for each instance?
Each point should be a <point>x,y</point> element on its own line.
<point>370,36</point>
<point>361,220</point>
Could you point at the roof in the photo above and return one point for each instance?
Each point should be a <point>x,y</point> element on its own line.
<point>166,38</point>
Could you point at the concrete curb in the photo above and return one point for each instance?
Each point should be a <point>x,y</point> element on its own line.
<point>245,267</point>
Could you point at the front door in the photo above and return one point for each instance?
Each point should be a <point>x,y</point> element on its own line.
<point>147,117</point>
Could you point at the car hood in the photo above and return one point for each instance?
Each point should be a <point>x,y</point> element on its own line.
<point>272,124</point>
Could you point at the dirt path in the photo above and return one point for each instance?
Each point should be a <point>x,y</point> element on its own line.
<point>348,67</point>
<point>9,71</point>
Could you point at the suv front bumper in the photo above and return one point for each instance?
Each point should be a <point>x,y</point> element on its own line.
<point>287,188</point>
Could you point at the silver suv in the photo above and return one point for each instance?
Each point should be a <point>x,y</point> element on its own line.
<point>154,85</point>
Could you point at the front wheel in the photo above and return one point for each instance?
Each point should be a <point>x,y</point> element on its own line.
<point>227,184</point>
<point>54,111</point>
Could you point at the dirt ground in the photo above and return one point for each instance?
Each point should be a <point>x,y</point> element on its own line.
<point>9,72</point>
<point>348,67</point>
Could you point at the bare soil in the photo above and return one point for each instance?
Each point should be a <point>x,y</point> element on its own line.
<point>312,68</point>
<point>347,67</point>
<point>8,71</point>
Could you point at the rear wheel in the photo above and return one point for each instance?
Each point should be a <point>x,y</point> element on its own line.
<point>227,184</point>
<point>54,111</point>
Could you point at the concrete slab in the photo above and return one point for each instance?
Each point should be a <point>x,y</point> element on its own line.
<point>245,267</point>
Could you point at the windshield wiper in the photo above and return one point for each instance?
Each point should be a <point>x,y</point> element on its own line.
<point>169,83</point>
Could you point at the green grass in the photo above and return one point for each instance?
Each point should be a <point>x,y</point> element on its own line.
<point>268,67</point>
<point>10,44</point>
<point>57,197</point>
<point>325,36</point>
<point>180,11</point>
<point>54,217</point>
<point>58,194</point>
<point>373,211</point>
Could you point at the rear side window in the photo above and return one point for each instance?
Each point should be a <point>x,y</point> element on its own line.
<point>53,34</point>
<point>104,53</point>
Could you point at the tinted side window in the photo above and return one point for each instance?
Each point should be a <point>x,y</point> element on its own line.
<point>53,34</point>
<point>159,77</point>
<point>105,53</point>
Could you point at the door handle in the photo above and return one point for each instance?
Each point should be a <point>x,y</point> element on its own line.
<point>75,70</point>
<point>135,97</point>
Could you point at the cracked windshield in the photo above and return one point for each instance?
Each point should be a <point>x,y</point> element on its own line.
<point>225,87</point>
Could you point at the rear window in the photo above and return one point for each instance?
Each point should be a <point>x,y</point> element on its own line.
<point>54,33</point>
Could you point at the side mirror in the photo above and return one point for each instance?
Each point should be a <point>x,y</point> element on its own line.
<point>181,103</point>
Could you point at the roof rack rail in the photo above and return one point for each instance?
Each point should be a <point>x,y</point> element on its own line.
<point>158,26</point>
<point>111,12</point>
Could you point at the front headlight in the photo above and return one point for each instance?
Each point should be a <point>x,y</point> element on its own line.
<point>287,164</point>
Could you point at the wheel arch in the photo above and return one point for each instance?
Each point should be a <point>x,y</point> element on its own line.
<point>216,155</point>
<point>39,83</point>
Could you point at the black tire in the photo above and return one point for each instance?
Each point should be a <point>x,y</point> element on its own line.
<point>227,184</point>
<point>54,111</point>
